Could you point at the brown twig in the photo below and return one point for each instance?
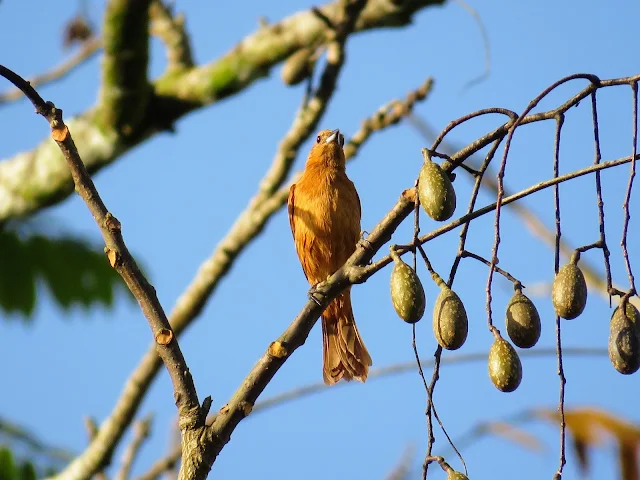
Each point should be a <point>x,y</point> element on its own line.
<point>167,462</point>
<point>89,48</point>
<point>599,200</point>
<point>141,430</point>
<point>528,217</point>
<point>485,41</point>
<point>504,273</point>
<point>246,229</point>
<point>563,380</point>
<point>627,198</point>
<point>386,260</point>
<point>191,414</point>
<point>211,441</point>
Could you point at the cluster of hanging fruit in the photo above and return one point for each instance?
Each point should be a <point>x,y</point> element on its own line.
<point>450,322</point>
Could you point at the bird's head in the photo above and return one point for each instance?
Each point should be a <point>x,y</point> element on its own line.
<point>327,149</point>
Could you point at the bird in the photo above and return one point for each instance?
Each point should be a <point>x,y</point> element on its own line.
<point>324,215</point>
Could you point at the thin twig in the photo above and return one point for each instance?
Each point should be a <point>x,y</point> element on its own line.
<point>599,200</point>
<point>414,344</point>
<point>472,203</point>
<point>141,430</point>
<point>563,380</point>
<point>167,462</point>
<point>122,261</point>
<point>627,198</point>
<point>504,273</point>
<point>386,260</point>
<point>485,41</point>
<point>89,48</point>
<point>431,387</point>
<point>529,218</point>
<point>245,229</point>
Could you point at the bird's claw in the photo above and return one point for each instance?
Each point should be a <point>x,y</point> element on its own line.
<point>313,291</point>
<point>363,242</point>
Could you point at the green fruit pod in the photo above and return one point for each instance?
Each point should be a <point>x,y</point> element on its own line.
<point>522,321</point>
<point>453,475</point>
<point>436,193</point>
<point>569,292</point>
<point>624,339</point>
<point>505,368</point>
<point>450,323</point>
<point>407,294</point>
<point>297,67</point>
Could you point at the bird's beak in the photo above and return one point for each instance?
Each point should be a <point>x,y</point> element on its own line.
<point>333,137</point>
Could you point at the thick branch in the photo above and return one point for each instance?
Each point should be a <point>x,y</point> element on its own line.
<point>38,178</point>
<point>125,89</point>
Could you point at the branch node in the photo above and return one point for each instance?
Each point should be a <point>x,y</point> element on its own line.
<point>112,223</point>
<point>115,259</point>
<point>277,350</point>
<point>164,336</point>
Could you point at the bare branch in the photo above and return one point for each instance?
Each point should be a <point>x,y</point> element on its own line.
<point>169,461</point>
<point>89,48</point>
<point>171,30</point>
<point>529,218</point>
<point>141,430</point>
<point>356,270</point>
<point>191,415</point>
<point>38,178</point>
<point>377,265</point>
<point>248,226</point>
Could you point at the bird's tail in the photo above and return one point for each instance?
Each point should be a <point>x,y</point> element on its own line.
<point>344,353</point>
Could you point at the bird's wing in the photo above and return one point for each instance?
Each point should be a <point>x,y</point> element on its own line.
<point>290,208</point>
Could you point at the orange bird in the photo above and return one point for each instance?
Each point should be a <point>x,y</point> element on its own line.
<point>324,213</point>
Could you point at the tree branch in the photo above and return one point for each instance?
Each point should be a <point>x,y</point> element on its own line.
<point>141,431</point>
<point>171,30</point>
<point>125,90</point>
<point>191,415</point>
<point>89,48</point>
<point>529,218</point>
<point>170,460</point>
<point>36,179</point>
<point>374,267</point>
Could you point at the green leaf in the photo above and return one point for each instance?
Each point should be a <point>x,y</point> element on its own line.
<point>17,276</point>
<point>74,272</point>
<point>28,471</point>
<point>8,469</point>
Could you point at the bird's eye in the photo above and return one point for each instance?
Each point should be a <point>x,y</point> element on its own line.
<point>342,140</point>
<point>318,139</point>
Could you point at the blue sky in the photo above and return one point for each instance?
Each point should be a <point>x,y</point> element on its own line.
<point>177,195</point>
